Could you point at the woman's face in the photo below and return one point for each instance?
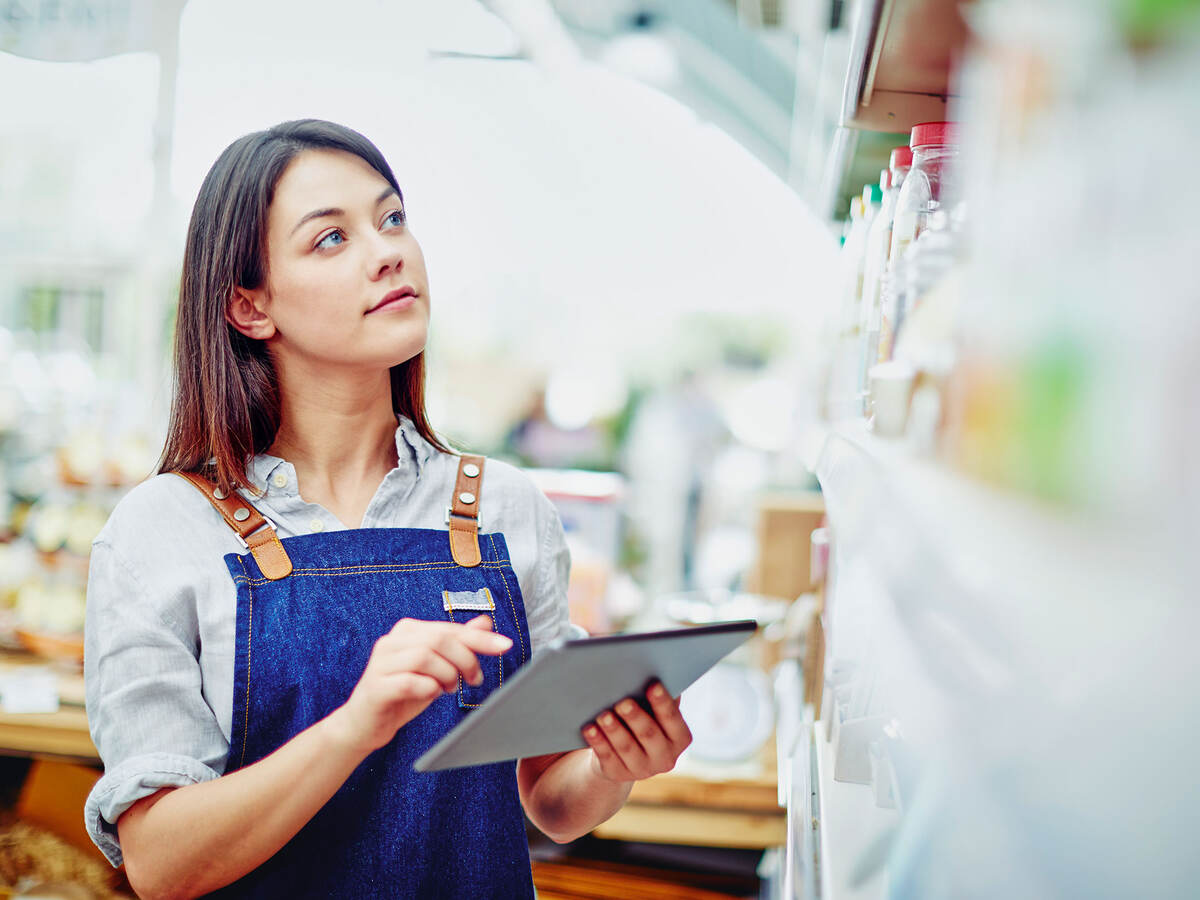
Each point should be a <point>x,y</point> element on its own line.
<point>346,283</point>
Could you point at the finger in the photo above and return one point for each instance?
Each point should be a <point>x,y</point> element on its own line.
<point>484,621</point>
<point>424,661</point>
<point>408,632</point>
<point>460,656</point>
<point>654,743</point>
<point>487,642</point>
<point>666,711</point>
<point>624,743</point>
<point>610,764</point>
<point>413,686</point>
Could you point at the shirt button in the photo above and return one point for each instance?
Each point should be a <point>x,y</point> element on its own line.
<point>280,480</point>
<point>316,525</point>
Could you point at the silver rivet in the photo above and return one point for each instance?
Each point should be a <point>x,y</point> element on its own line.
<point>466,497</point>
<point>220,494</point>
<point>471,470</point>
<point>242,514</point>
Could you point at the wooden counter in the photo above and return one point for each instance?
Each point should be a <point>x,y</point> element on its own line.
<point>62,734</point>
<point>686,807</point>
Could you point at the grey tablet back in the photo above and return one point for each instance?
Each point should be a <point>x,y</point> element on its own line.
<point>543,708</point>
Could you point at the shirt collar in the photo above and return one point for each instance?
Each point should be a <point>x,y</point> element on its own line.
<point>410,444</point>
<point>260,469</point>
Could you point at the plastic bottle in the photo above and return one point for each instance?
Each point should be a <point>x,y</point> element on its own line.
<point>842,396</point>
<point>879,242</point>
<point>934,147</point>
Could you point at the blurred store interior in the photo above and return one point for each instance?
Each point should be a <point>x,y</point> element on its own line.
<point>920,400</point>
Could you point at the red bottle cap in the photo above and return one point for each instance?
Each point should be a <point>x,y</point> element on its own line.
<point>934,134</point>
<point>901,160</point>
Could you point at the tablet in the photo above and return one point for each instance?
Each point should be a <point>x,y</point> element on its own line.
<point>543,708</point>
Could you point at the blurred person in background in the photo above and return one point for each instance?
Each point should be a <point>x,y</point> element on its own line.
<point>537,440</point>
<point>259,713</point>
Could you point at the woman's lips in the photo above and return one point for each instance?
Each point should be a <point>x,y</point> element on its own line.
<point>398,299</point>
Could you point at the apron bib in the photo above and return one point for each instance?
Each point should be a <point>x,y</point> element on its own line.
<point>303,641</point>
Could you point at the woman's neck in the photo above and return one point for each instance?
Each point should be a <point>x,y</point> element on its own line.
<point>339,435</point>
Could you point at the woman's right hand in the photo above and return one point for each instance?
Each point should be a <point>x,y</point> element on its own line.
<point>410,667</point>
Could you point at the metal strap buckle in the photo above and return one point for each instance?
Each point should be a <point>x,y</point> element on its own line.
<point>450,512</point>
<point>269,524</point>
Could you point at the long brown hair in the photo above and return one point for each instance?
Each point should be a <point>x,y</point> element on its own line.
<point>225,407</point>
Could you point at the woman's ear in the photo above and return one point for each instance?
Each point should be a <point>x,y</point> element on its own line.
<point>245,313</point>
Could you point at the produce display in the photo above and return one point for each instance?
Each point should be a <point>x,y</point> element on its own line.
<point>59,479</point>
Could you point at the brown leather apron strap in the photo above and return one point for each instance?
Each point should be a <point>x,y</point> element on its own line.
<point>248,524</point>
<point>463,513</point>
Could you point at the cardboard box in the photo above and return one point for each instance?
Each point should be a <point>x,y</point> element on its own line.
<point>785,525</point>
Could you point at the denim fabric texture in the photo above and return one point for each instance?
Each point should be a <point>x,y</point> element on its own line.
<point>162,609</point>
<point>302,643</point>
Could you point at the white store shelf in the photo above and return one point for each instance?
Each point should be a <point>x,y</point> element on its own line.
<point>849,823</point>
<point>1008,570</point>
<point>1004,631</point>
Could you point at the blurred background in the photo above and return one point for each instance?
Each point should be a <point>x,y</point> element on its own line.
<point>874,320</point>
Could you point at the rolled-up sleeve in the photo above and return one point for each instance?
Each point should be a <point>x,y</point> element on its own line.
<point>147,715</point>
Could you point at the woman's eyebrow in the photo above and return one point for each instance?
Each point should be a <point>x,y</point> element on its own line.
<point>336,211</point>
<point>318,214</point>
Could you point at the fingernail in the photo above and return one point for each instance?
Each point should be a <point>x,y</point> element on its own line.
<point>625,707</point>
<point>591,733</point>
<point>501,641</point>
<point>477,680</point>
<point>658,692</point>
<point>607,720</point>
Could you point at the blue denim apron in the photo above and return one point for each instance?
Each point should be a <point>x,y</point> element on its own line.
<point>302,644</point>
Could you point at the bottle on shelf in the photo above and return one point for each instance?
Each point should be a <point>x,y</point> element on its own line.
<point>841,394</point>
<point>879,242</point>
<point>925,189</point>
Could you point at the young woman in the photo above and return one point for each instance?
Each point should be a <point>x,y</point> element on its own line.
<point>280,622</point>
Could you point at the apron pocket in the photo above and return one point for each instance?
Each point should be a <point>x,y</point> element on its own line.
<point>463,606</point>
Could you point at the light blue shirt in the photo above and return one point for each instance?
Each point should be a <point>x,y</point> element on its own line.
<point>161,607</point>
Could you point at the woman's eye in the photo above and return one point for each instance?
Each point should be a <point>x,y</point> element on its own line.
<point>394,219</point>
<point>329,240</point>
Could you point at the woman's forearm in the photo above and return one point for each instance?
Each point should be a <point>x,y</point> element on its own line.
<point>191,840</point>
<point>567,795</point>
<point>568,798</point>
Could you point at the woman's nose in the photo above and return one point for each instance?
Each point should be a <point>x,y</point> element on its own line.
<point>386,256</point>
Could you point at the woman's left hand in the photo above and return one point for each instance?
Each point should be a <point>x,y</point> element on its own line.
<point>629,744</point>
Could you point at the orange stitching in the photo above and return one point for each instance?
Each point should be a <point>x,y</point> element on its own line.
<point>382,568</point>
<point>249,635</point>
<point>406,567</point>
<point>496,628</point>
<point>450,612</point>
<point>511,605</point>
<point>279,543</point>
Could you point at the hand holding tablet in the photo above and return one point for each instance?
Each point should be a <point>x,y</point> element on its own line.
<point>631,743</point>
<point>545,707</point>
